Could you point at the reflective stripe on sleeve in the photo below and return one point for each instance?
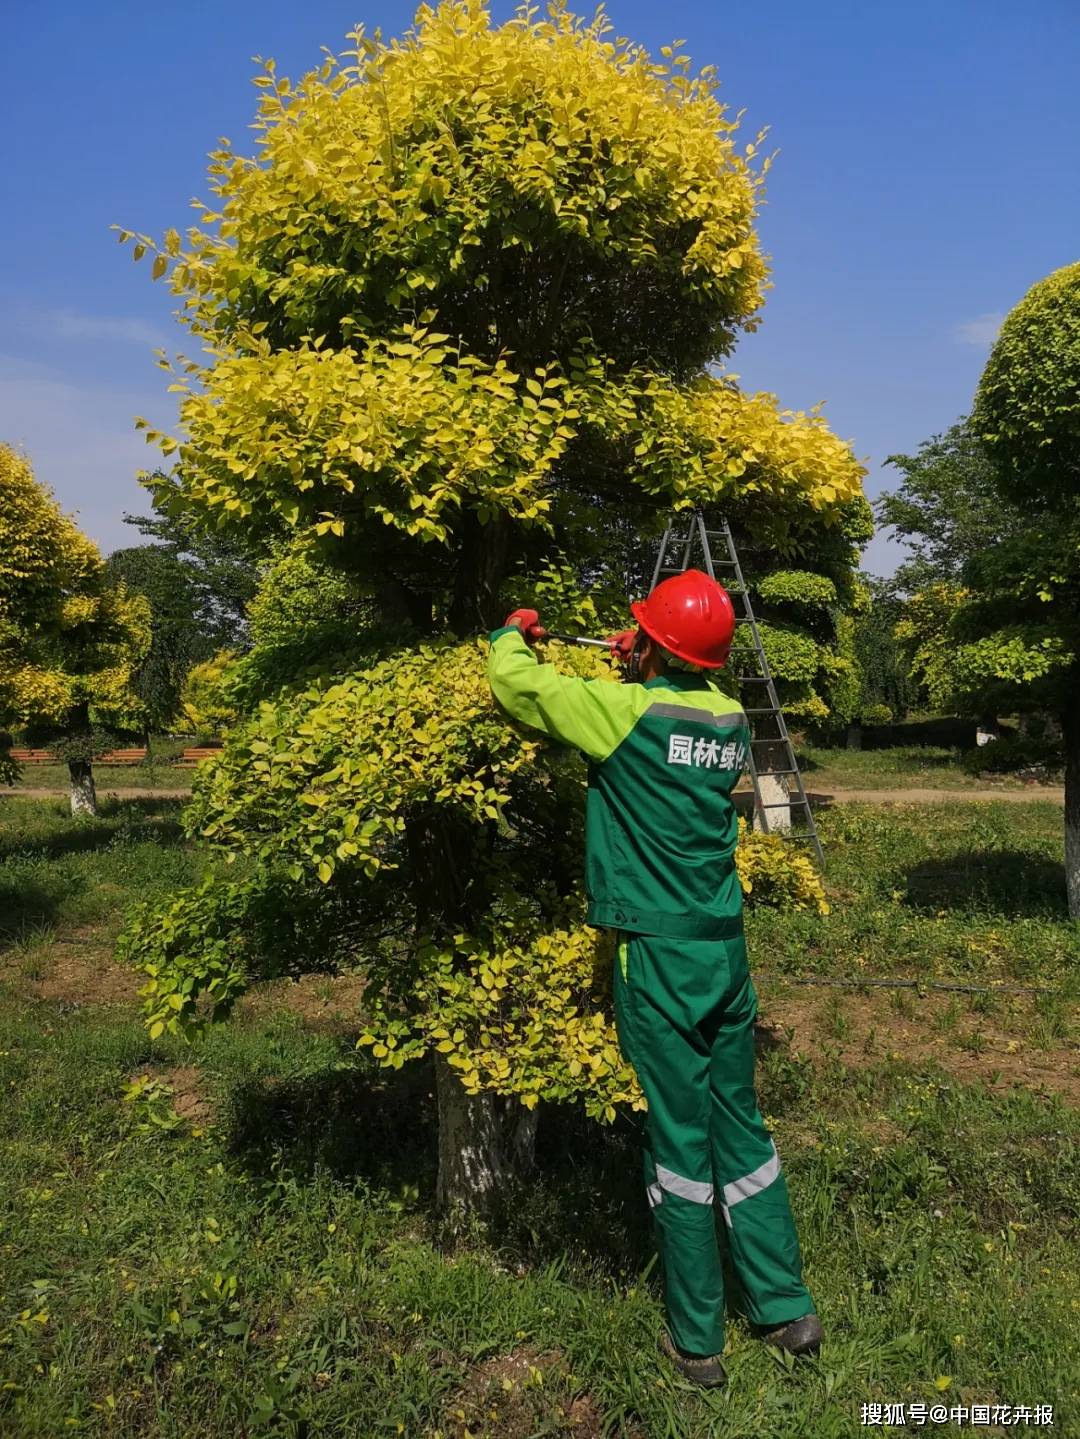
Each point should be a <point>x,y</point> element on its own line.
<point>751,1184</point>
<point>655,1195</point>
<point>695,1190</point>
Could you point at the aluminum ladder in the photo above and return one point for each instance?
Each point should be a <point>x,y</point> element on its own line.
<point>677,553</point>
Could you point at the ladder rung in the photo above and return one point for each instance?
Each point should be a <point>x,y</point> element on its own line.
<point>676,553</point>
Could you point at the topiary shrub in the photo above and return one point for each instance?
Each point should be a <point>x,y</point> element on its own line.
<point>773,872</point>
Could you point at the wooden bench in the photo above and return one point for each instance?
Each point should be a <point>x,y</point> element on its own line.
<point>122,756</point>
<point>34,756</point>
<point>195,755</point>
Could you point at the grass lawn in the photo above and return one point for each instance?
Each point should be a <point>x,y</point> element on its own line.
<point>153,775</point>
<point>909,766</point>
<point>246,1245</point>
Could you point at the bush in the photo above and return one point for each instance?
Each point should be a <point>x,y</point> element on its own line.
<point>1014,754</point>
<point>773,873</point>
<point>877,714</point>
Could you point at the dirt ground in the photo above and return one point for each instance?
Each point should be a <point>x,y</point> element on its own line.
<point>858,1027</point>
<point>519,1395</point>
<point>942,1028</point>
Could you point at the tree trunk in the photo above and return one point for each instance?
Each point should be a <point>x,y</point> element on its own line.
<point>854,735</point>
<point>485,555</point>
<point>1071,730</point>
<point>484,1141</point>
<point>773,788</point>
<point>83,793</point>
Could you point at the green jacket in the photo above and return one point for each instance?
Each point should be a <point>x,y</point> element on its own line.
<point>664,756</point>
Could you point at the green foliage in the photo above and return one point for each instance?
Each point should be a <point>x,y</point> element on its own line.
<point>877,714</point>
<point>886,690</point>
<point>177,639</point>
<point>1025,410</point>
<point>201,948</point>
<point>329,784</point>
<point>151,1103</point>
<point>798,589</point>
<point>306,618</point>
<point>1012,753</point>
<point>383,375</point>
<point>947,508</point>
<point>793,656</point>
<point>332,773</point>
<point>923,634</point>
<point>221,569</point>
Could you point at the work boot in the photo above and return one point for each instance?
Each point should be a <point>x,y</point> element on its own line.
<point>702,1369</point>
<point>801,1337</point>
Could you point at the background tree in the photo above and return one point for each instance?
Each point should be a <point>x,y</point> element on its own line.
<point>70,641</point>
<point>178,640</point>
<point>887,692</point>
<point>1024,613</point>
<point>999,629</point>
<point>220,569</point>
<point>461,308</point>
<point>948,507</point>
<point>949,510</point>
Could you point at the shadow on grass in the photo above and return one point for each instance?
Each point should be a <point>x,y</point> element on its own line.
<point>585,1197</point>
<point>28,909</point>
<point>377,1125</point>
<point>85,836</point>
<point>583,1203</point>
<point>1013,883</point>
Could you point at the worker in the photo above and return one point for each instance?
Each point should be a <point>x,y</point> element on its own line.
<point>665,752</point>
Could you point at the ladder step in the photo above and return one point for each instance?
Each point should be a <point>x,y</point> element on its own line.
<point>678,550</point>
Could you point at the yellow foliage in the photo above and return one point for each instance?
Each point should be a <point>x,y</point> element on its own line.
<point>205,708</point>
<point>415,297</point>
<point>67,640</point>
<point>773,872</point>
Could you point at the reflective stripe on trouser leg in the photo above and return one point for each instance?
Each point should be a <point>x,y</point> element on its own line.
<point>753,1194</point>
<point>674,1074</point>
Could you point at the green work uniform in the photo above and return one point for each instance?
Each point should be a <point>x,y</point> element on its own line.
<point>661,831</point>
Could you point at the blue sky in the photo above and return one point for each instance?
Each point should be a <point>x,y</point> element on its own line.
<point>926,177</point>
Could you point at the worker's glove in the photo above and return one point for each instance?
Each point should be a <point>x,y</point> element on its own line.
<point>622,644</point>
<point>528,622</point>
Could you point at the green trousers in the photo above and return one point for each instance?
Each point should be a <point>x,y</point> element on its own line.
<point>685,1014</point>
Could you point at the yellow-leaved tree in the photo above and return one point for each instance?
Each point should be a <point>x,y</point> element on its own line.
<point>69,639</point>
<point>464,301</point>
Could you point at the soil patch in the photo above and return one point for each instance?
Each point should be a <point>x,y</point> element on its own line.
<point>80,970</point>
<point>187,1098</point>
<point>515,1396</point>
<point>863,1029</point>
<point>325,1001</point>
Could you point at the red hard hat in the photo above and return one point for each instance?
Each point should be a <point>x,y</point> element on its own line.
<point>690,615</point>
